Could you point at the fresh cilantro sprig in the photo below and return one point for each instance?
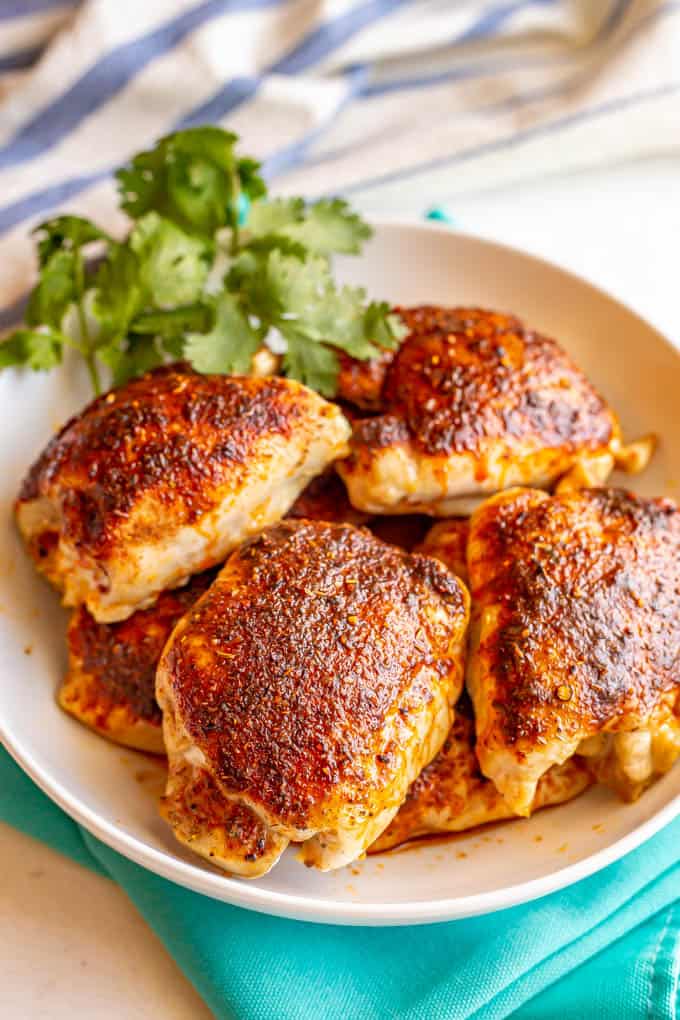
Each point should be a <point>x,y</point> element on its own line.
<point>210,271</point>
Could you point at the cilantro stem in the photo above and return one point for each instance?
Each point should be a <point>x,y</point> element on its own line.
<point>79,278</point>
<point>68,342</point>
<point>87,351</point>
<point>93,371</point>
<point>236,189</point>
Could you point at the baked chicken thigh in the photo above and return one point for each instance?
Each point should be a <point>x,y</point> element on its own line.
<point>111,678</point>
<point>159,479</point>
<point>304,692</point>
<point>575,637</point>
<point>452,795</point>
<point>473,402</point>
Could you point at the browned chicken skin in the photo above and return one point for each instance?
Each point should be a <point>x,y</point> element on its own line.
<point>309,686</point>
<point>111,678</point>
<point>452,795</point>
<point>575,637</point>
<point>473,402</point>
<point>159,479</point>
<point>110,683</point>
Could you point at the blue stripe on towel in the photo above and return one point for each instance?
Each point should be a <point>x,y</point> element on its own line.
<point>482,69</point>
<point>294,154</point>
<point>601,110</point>
<point>10,315</point>
<point>494,19</point>
<point>46,198</point>
<point>107,77</point>
<point>23,8</point>
<point>314,47</point>
<point>608,26</point>
<point>324,40</point>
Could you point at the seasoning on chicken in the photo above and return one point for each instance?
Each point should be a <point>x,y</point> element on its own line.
<point>575,637</point>
<point>160,479</point>
<point>305,692</point>
<point>452,795</point>
<point>473,402</point>
<point>110,683</point>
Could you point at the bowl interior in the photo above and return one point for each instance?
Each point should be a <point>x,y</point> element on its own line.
<point>113,792</point>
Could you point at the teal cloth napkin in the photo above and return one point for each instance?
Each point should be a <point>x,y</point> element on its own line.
<point>606,947</point>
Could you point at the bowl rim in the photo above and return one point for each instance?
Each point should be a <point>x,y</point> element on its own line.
<point>247,894</point>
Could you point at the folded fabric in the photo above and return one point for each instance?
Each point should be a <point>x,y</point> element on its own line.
<point>608,946</point>
<point>386,100</point>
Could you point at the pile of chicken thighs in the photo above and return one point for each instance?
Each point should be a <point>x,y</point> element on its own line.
<point>259,592</point>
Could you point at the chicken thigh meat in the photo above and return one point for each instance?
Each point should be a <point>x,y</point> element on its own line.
<point>159,479</point>
<point>575,637</point>
<point>111,678</point>
<point>452,795</point>
<point>304,692</point>
<point>473,402</point>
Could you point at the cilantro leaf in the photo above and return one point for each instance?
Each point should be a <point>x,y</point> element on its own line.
<point>129,358</point>
<point>174,322</point>
<point>330,226</point>
<point>316,308</point>
<point>191,177</point>
<point>40,350</point>
<point>274,216</point>
<point>173,265</point>
<point>252,184</point>
<point>54,292</point>
<point>322,227</point>
<point>297,287</point>
<point>120,293</point>
<point>13,349</point>
<point>312,364</point>
<point>298,296</point>
<point>275,242</point>
<point>385,329</point>
<point>208,270</point>
<point>140,185</point>
<point>229,346</point>
<point>44,349</point>
<point>65,232</point>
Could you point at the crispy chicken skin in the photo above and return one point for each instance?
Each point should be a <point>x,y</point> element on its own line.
<point>307,689</point>
<point>159,479</point>
<point>452,795</point>
<point>110,683</point>
<point>575,637</point>
<point>473,402</point>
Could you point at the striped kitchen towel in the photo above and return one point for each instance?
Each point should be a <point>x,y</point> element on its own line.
<point>383,100</point>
